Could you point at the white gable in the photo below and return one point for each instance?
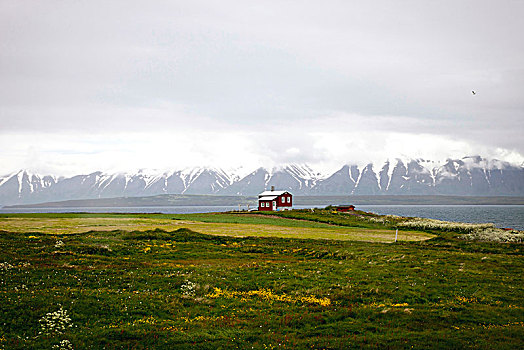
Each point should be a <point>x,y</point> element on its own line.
<point>267,198</point>
<point>272,193</point>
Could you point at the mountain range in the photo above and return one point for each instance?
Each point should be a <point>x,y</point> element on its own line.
<point>469,176</point>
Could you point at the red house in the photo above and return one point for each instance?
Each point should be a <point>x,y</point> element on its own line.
<point>275,200</point>
<point>344,208</point>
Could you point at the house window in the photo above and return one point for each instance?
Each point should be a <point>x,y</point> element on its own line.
<point>289,199</point>
<point>283,199</point>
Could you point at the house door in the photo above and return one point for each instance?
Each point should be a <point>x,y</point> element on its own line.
<point>274,205</point>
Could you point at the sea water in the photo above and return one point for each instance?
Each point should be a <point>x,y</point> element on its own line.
<point>509,216</point>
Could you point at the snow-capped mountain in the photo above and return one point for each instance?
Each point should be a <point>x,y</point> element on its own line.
<point>467,176</point>
<point>340,182</point>
<point>23,186</point>
<point>299,179</point>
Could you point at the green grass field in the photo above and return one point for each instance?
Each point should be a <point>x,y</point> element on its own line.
<point>238,225</point>
<point>210,281</point>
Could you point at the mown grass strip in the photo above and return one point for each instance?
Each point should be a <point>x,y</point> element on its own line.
<point>250,226</point>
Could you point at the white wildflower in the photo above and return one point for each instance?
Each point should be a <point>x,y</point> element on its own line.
<point>432,224</point>
<point>496,235</point>
<point>64,345</point>
<point>188,288</point>
<point>379,220</point>
<point>4,266</point>
<point>55,322</point>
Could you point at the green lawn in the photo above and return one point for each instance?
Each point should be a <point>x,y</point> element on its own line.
<point>176,288</point>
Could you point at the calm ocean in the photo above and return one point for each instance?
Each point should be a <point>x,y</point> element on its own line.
<point>501,215</point>
<point>511,216</point>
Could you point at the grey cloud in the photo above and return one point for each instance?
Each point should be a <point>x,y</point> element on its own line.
<point>131,65</point>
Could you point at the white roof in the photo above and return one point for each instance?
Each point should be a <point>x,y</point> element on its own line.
<point>267,198</point>
<point>272,193</point>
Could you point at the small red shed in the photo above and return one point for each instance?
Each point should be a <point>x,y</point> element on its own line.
<point>344,208</point>
<point>275,200</point>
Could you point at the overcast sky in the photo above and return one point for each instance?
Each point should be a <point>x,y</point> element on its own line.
<point>122,85</point>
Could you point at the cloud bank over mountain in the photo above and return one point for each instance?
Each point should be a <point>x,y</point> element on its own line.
<point>234,83</point>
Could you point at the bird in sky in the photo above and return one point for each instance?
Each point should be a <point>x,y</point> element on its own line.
<point>473,92</point>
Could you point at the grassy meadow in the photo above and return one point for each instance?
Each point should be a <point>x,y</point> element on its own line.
<point>290,280</point>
